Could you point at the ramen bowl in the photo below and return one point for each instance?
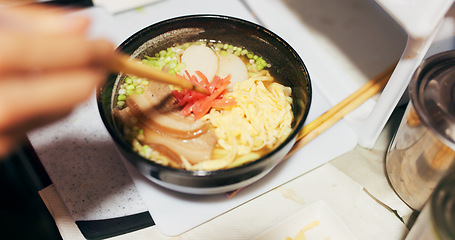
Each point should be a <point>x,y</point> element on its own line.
<point>284,62</point>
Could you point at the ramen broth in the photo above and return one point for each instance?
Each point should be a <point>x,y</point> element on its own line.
<point>247,114</point>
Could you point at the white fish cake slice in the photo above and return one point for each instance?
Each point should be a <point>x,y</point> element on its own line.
<point>201,58</point>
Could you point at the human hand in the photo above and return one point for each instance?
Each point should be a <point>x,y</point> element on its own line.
<point>47,67</point>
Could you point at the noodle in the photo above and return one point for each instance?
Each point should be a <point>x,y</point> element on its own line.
<point>259,122</point>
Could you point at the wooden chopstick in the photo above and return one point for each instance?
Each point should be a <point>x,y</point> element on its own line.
<point>334,114</point>
<point>122,63</point>
<point>337,112</point>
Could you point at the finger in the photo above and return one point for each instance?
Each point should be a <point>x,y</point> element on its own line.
<point>22,53</point>
<point>42,19</point>
<point>24,102</point>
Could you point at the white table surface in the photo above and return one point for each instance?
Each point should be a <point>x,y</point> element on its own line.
<point>353,183</point>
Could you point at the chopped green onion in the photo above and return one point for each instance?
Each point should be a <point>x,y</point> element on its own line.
<point>179,67</point>
<point>120,103</point>
<point>139,90</point>
<point>121,97</point>
<point>259,67</point>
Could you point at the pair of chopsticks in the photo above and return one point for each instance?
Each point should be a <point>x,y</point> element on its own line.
<point>122,63</point>
<point>336,113</point>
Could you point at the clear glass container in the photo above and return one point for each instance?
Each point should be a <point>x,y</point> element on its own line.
<point>423,148</point>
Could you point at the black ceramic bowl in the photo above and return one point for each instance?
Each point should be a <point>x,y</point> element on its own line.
<point>285,62</point>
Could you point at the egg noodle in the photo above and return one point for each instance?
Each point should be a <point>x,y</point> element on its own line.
<point>259,122</point>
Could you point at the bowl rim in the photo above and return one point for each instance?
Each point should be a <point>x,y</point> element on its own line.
<point>236,20</point>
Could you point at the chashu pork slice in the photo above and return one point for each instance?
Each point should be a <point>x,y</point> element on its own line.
<point>157,112</point>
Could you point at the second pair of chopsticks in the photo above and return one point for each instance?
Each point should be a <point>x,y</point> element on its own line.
<point>340,110</point>
<point>122,63</point>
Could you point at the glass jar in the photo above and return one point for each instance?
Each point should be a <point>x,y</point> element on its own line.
<point>423,148</point>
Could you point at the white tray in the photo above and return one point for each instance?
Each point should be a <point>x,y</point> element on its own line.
<point>329,225</point>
